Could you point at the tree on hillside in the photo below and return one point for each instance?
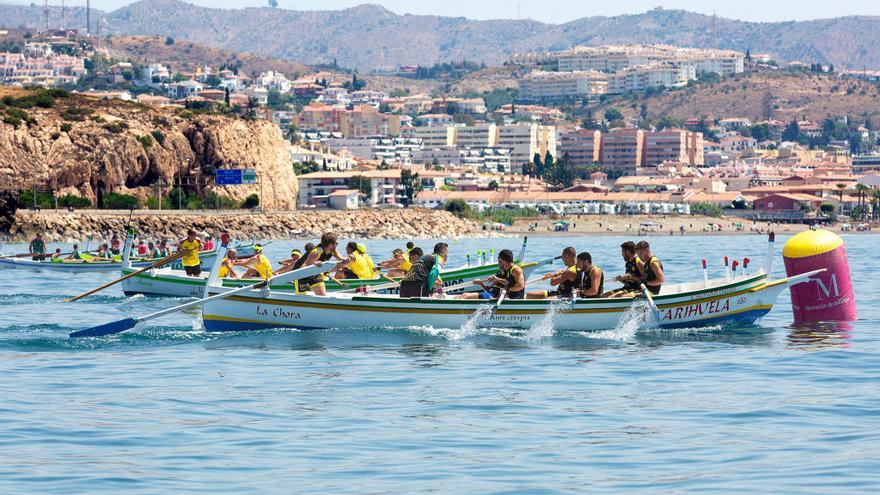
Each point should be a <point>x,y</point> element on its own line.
<point>360,183</point>
<point>538,165</point>
<point>792,132</point>
<point>613,114</point>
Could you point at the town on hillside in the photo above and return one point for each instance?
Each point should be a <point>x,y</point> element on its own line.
<point>561,133</point>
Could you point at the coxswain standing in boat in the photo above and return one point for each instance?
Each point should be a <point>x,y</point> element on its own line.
<point>510,277</point>
<point>424,277</point>
<point>37,248</point>
<point>631,277</point>
<point>191,246</point>
<point>114,245</point>
<point>325,251</point>
<point>592,279</point>
<point>258,265</point>
<point>565,280</point>
<point>651,269</point>
<point>227,266</point>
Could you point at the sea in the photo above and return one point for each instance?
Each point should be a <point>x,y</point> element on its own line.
<point>169,408</point>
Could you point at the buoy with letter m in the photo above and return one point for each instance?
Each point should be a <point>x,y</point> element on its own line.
<point>829,295</point>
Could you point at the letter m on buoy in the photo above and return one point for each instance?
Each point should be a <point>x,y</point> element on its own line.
<point>824,290</point>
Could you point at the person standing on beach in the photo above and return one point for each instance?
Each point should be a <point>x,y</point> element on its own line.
<point>37,248</point>
<point>191,247</point>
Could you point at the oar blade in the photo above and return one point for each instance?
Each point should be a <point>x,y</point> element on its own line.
<point>111,328</point>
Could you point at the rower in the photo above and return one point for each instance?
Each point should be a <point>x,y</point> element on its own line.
<point>141,249</point>
<point>258,265</point>
<point>37,248</point>
<point>509,277</point>
<point>287,265</point>
<point>152,252</point>
<point>565,280</point>
<point>651,270</point>
<point>425,274</point>
<point>414,255</point>
<point>323,252</point>
<point>227,266</point>
<point>74,254</point>
<point>395,266</point>
<point>114,245</point>
<point>631,277</point>
<point>359,266</point>
<point>191,262</point>
<point>57,255</point>
<point>592,280</point>
<point>209,244</point>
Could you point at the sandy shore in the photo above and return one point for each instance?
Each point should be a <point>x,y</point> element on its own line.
<point>655,225</point>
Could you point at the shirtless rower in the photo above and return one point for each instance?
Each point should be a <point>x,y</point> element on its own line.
<point>631,277</point>
<point>592,279</point>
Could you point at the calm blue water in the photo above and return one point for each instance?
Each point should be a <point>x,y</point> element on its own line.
<point>168,408</point>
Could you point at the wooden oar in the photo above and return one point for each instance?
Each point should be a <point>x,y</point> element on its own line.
<point>163,261</point>
<point>497,305</point>
<point>120,326</point>
<point>25,255</point>
<point>654,310</point>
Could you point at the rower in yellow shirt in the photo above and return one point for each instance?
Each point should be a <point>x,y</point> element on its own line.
<point>258,265</point>
<point>191,246</point>
<point>360,265</point>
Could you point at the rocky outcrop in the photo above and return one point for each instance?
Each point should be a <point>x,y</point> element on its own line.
<point>64,226</point>
<point>90,147</point>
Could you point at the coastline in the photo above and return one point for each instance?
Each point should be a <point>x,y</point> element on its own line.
<point>410,223</point>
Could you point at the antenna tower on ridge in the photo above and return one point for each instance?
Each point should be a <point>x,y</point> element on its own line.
<point>46,14</point>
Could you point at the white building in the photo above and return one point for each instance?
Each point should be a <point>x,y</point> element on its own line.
<point>541,86</point>
<point>273,81</point>
<point>655,75</point>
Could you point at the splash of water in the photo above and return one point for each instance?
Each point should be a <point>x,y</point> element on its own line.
<point>637,317</point>
<point>544,327</point>
<point>470,327</point>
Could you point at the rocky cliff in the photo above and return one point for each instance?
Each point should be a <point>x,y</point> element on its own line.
<point>89,147</point>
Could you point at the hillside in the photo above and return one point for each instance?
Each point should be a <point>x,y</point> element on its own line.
<point>758,96</point>
<point>81,145</point>
<point>370,36</point>
<point>187,54</point>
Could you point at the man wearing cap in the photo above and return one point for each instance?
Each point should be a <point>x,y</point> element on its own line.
<point>258,264</point>
<point>191,246</point>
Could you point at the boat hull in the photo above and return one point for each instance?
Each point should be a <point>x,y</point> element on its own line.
<point>207,258</point>
<point>175,283</point>
<point>739,302</point>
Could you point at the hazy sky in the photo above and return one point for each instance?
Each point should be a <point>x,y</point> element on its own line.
<point>565,10</point>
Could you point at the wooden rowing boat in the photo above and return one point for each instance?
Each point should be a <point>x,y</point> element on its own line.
<point>742,300</point>
<point>85,266</point>
<point>170,282</point>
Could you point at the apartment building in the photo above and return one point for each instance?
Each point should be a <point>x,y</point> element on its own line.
<point>611,59</point>
<point>541,86</point>
<point>581,147</point>
<point>622,149</point>
<point>315,188</point>
<point>360,121</point>
<point>431,137</point>
<point>673,145</point>
<point>526,140</point>
<point>654,75</point>
<point>476,136</point>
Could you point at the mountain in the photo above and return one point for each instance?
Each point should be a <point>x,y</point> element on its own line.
<point>369,36</point>
<point>757,96</point>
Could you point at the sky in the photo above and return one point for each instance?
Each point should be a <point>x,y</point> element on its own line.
<point>563,10</point>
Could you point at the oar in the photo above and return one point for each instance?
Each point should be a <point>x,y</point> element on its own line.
<point>120,326</point>
<point>340,282</point>
<point>650,298</point>
<point>497,305</point>
<point>25,255</point>
<point>161,262</point>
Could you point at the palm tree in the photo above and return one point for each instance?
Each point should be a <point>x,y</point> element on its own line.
<point>875,204</point>
<point>862,190</point>
<point>840,188</point>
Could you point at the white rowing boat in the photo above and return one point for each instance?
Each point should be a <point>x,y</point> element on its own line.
<point>92,266</point>
<point>742,300</point>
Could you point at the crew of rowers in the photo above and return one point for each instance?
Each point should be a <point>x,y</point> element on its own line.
<point>112,251</point>
<point>580,278</point>
<point>420,273</point>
